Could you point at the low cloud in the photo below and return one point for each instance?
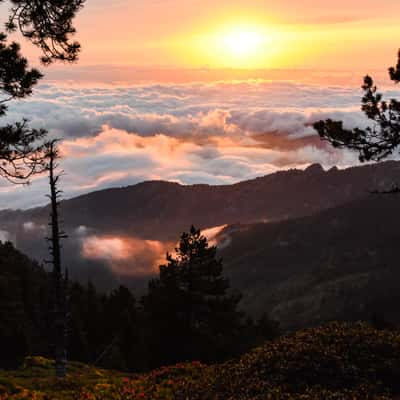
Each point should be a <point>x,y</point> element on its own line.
<point>29,226</point>
<point>81,230</point>
<point>212,235</point>
<point>126,256</point>
<point>135,257</point>
<point>216,133</point>
<point>4,236</point>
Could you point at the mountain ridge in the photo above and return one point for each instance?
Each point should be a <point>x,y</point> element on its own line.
<point>340,264</point>
<point>161,210</point>
<point>286,238</point>
<point>312,168</point>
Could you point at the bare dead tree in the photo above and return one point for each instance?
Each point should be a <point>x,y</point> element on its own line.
<point>58,278</point>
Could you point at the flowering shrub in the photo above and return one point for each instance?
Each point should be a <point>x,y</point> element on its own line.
<point>334,362</point>
<point>336,357</point>
<point>167,383</point>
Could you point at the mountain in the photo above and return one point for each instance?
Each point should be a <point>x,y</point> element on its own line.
<point>339,264</point>
<point>302,245</point>
<point>161,210</point>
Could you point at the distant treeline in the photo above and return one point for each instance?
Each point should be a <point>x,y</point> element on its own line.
<point>188,313</point>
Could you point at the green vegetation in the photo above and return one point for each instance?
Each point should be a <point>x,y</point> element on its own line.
<point>338,265</point>
<point>192,314</point>
<point>337,361</point>
<point>380,139</point>
<point>188,314</point>
<point>48,25</point>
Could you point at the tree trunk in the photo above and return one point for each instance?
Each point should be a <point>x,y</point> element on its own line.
<point>59,299</point>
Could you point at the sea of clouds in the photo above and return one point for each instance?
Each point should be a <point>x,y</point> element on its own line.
<point>216,133</point>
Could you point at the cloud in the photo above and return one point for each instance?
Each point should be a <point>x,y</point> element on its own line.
<point>81,230</point>
<point>135,257</point>
<point>179,110</point>
<point>213,235</point>
<point>4,236</point>
<point>126,256</point>
<point>29,226</point>
<point>216,133</point>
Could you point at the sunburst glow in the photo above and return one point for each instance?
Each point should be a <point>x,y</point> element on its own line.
<point>235,45</point>
<point>244,42</point>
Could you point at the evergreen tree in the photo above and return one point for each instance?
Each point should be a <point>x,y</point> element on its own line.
<point>47,24</point>
<point>92,320</point>
<point>122,331</point>
<point>23,307</point>
<point>191,313</point>
<point>78,346</point>
<point>378,140</point>
<point>111,331</point>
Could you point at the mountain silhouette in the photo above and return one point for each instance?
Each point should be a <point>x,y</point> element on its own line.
<point>160,210</point>
<point>307,246</point>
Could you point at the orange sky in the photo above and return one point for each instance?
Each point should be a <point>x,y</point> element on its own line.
<point>316,34</point>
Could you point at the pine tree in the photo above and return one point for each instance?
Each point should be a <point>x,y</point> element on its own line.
<point>381,137</point>
<point>47,24</point>
<point>192,313</point>
<point>122,330</point>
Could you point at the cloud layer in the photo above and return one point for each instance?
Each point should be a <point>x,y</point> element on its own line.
<point>132,256</point>
<point>125,255</point>
<point>217,133</point>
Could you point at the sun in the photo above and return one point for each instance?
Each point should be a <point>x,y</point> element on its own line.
<point>234,45</point>
<point>243,43</point>
<point>243,46</point>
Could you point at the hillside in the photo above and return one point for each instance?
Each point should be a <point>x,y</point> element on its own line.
<point>162,210</point>
<point>329,250</point>
<point>23,298</point>
<point>337,361</point>
<point>339,264</point>
<point>120,235</point>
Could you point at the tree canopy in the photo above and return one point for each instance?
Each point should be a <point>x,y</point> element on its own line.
<point>47,24</point>
<point>196,315</point>
<point>114,330</point>
<point>381,137</point>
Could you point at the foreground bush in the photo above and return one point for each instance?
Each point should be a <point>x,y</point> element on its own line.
<point>334,362</point>
<point>337,361</point>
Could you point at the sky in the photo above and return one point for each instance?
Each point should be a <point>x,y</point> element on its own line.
<point>313,34</point>
<point>316,34</point>
<point>204,91</point>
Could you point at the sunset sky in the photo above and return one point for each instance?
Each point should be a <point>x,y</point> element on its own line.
<point>314,34</point>
<point>342,34</point>
<point>204,91</point>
